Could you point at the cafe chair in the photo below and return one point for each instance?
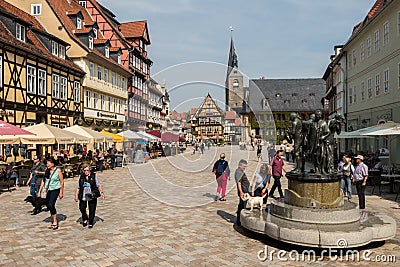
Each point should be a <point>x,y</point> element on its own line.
<point>23,176</point>
<point>380,182</point>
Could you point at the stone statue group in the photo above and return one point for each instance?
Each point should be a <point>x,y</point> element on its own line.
<point>314,137</point>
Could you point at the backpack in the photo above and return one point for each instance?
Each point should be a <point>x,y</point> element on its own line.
<point>220,169</point>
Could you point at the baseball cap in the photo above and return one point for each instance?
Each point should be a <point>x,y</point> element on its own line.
<point>359,157</point>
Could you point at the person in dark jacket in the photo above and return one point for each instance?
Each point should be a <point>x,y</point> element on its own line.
<point>222,172</point>
<point>88,186</point>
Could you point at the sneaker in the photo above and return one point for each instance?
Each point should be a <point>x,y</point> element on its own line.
<point>222,199</point>
<point>216,197</point>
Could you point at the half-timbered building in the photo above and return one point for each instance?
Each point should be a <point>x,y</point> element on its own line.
<point>208,123</point>
<point>105,86</point>
<point>38,82</point>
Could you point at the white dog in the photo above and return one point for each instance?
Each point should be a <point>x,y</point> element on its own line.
<point>254,201</point>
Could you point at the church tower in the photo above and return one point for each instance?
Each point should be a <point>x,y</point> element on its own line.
<point>234,93</point>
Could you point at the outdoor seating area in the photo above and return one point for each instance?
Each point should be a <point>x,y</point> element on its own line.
<point>73,146</point>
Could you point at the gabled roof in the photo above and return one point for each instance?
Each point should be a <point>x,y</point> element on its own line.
<point>59,7</point>
<point>32,45</point>
<point>135,29</point>
<point>208,97</point>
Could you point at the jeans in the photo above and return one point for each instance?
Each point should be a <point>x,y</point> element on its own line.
<point>51,199</point>
<point>361,194</point>
<point>92,210</point>
<point>277,184</point>
<point>222,181</point>
<point>34,189</point>
<point>112,162</point>
<point>241,206</point>
<point>345,185</point>
<point>258,193</point>
<point>101,164</point>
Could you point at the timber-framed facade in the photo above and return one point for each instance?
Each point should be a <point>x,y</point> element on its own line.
<point>36,85</point>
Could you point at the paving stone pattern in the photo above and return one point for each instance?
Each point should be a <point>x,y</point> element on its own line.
<point>160,213</point>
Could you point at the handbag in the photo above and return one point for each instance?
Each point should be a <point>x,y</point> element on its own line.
<point>96,193</point>
<point>46,189</point>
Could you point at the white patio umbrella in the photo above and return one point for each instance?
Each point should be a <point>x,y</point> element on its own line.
<point>148,136</point>
<point>131,135</point>
<point>93,135</point>
<point>47,134</point>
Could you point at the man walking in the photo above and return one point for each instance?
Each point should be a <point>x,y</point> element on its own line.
<point>276,172</point>
<point>222,172</point>
<point>243,185</point>
<point>37,173</point>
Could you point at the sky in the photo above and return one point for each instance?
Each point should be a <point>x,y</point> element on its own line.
<point>190,39</point>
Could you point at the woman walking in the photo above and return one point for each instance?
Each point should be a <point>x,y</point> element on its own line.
<point>53,184</point>
<point>89,188</point>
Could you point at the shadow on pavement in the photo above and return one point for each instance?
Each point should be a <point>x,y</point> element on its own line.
<point>226,216</point>
<point>209,195</point>
<point>96,219</point>
<point>60,217</point>
<point>320,252</point>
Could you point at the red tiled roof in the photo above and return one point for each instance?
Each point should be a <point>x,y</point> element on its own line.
<point>73,11</point>
<point>20,14</point>
<point>375,8</point>
<point>32,45</point>
<point>193,111</point>
<point>378,5</point>
<point>82,31</point>
<point>230,115</point>
<point>238,122</point>
<point>134,29</point>
<point>100,41</point>
<point>59,7</point>
<point>114,49</point>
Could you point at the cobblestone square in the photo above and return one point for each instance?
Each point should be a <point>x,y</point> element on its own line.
<point>160,213</point>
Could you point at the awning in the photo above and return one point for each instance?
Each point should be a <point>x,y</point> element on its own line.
<point>148,136</point>
<point>47,134</point>
<point>395,130</point>
<point>116,138</point>
<point>131,135</point>
<point>93,135</point>
<point>367,132</point>
<point>11,134</point>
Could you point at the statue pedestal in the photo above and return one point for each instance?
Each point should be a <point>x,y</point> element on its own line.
<point>314,214</point>
<point>314,191</point>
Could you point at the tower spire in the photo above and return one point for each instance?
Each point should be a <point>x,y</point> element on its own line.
<point>232,60</point>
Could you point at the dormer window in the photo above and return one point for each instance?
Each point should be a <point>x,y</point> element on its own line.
<point>36,9</point>
<point>54,48</point>
<point>95,33</point>
<point>61,52</point>
<point>78,23</point>
<point>119,59</point>
<point>20,32</point>
<point>82,3</point>
<point>91,42</point>
<point>107,51</point>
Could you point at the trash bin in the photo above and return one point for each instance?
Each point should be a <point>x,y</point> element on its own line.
<point>118,160</point>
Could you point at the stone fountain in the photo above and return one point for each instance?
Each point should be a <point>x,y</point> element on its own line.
<point>313,212</point>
